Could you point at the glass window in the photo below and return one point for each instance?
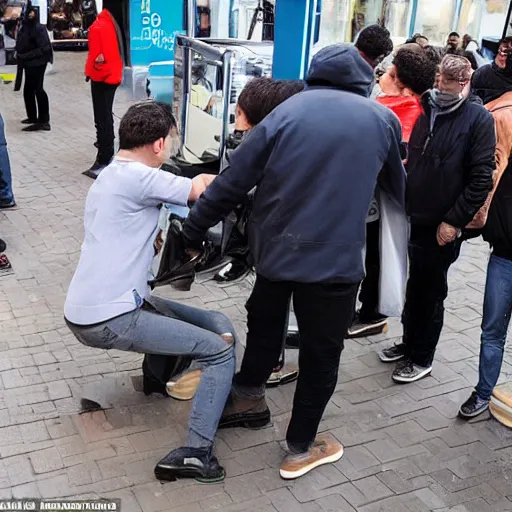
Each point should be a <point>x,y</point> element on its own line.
<point>493,19</point>
<point>434,19</point>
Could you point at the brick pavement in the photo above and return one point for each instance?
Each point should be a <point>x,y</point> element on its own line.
<point>405,449</point>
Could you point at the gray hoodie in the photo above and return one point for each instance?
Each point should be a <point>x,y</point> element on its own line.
<point>315,160</point>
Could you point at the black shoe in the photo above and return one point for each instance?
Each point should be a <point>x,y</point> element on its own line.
<point>28,121</point>
<point>5,203</point>
<point>186,462</point>
<point>362,327</point>
<point>37,127</point>
<point>234,271</point>
<point>3,246</point>
<point>95,170</point>
<point>245,412</point>
<point>473,406</point>
<point>393,354</point>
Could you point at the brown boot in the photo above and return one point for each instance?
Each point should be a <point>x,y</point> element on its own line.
<point>325,450</point>
<point>245,412</point>
<point>184,386</point>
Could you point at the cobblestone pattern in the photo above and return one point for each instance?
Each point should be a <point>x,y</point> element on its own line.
<point>405,449</point>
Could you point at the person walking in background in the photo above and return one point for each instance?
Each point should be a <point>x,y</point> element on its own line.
<point>498,232</point>
<point>409,76</point>
<point>449,175</point>
<point>34,52</point>
<point>104,68</point>
<point>6,194</point>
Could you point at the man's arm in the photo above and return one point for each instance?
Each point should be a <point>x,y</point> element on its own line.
<point>229,189</point>
<point>392,178</point>
<point>481,162</point>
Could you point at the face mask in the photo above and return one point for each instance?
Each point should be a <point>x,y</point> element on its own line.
<point>445,99</point>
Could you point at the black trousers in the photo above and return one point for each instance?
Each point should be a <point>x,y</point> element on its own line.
<point>36,99</point>
<point>427,288</point>
<point>324,314</point>
<point>102,103</point>
<point>369,294</point>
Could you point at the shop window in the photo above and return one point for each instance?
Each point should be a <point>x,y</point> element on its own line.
<point>434,19</point>
<point>71,19</point>
<point>492,19</point>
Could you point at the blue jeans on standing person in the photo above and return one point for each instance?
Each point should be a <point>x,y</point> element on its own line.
<point>6,194</point>
<point>177,329</point>
<point>495,322</point>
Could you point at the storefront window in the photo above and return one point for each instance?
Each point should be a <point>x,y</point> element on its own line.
<point>434,19</point>
<point>71,19</point>
<point>335,22</point>
<point>493,18</point>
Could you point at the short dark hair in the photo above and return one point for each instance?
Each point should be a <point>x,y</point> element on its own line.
<point>374,41</point>
<point>415,70</point>
<point>262,95</point>
<point>434,53</point>
<point>470,56</point>
<point>145,123</point>
<point>453,34</point>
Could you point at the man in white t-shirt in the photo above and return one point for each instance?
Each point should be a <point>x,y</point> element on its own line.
<point>109,304</point>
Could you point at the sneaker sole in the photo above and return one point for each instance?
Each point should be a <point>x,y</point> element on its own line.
<point>405,380</point>
<point>386,359</point>
<point>291,475</point>
<point>473,415</point>
<point>185,387</point>
<point>285,379</point>
<point>369,330</point>
<point>171,474</point>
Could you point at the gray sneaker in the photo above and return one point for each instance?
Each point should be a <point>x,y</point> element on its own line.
<point>392,354</point>
<point>473,406</point>
<point>407,371</point>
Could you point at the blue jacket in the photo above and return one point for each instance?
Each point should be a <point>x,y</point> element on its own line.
<point>315,161</point>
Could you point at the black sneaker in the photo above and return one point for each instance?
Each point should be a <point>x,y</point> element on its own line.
<point>37,127</point>
<point>473,406</point>
<point>245,412</point>
<point>361,328</point>
<point>198,463</point>
<point>29,121</point>
<point>7,203</point>
<point>407,372</point>
<point>392,354</point>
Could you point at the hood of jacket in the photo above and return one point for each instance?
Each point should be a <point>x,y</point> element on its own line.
<point>341,66</point>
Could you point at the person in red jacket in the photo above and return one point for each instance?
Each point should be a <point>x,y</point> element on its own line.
<point>104,68</point>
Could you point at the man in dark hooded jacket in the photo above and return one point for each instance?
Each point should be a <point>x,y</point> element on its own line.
<point>315,161</point>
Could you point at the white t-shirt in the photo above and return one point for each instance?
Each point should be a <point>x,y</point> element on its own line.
<point>121,223</point>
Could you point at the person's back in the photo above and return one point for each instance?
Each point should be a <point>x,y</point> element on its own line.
<point>327,149</point>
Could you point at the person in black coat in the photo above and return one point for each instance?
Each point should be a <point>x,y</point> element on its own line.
<point>449,176</point>
<point>34,52</point>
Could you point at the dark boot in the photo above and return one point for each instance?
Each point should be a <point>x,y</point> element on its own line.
<point>241,411</point>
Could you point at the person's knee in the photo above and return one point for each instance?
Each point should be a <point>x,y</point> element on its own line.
<point>222,323</point>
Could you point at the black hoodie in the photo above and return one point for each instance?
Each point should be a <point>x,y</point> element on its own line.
<point>315,160</point>
<point>33,46</point>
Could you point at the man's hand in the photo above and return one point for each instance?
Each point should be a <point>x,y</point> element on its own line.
<point>446,233</point>
<point>199,184</point>
<point>100,59</point>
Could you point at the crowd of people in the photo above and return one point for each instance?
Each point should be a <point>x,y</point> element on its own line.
<point>323,161</point>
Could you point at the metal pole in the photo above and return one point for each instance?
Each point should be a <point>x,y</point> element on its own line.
<point>507,21</point>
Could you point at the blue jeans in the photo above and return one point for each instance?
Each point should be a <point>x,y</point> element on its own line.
<point>176,329</point>
<point>5,167</point>
<point>495,321</point>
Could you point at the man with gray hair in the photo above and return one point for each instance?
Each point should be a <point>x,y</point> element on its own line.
<point>449,168</point>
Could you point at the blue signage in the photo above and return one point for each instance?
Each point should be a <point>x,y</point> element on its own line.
<point>153,27</point>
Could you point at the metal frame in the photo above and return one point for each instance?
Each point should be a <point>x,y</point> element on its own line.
<point>218,57</point>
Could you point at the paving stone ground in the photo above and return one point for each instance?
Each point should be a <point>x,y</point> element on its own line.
<point>405,450</point>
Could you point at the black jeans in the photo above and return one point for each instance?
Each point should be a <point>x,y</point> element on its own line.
<point>33,90</point>
<point>369,294</point>
<point>102,103</point>
<point>427,287</point>
<point>324,314</point>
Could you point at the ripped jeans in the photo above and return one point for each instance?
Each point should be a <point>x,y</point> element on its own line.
<point>177,329</point>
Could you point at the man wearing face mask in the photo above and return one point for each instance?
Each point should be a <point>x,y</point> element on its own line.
<point>450,167</point>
